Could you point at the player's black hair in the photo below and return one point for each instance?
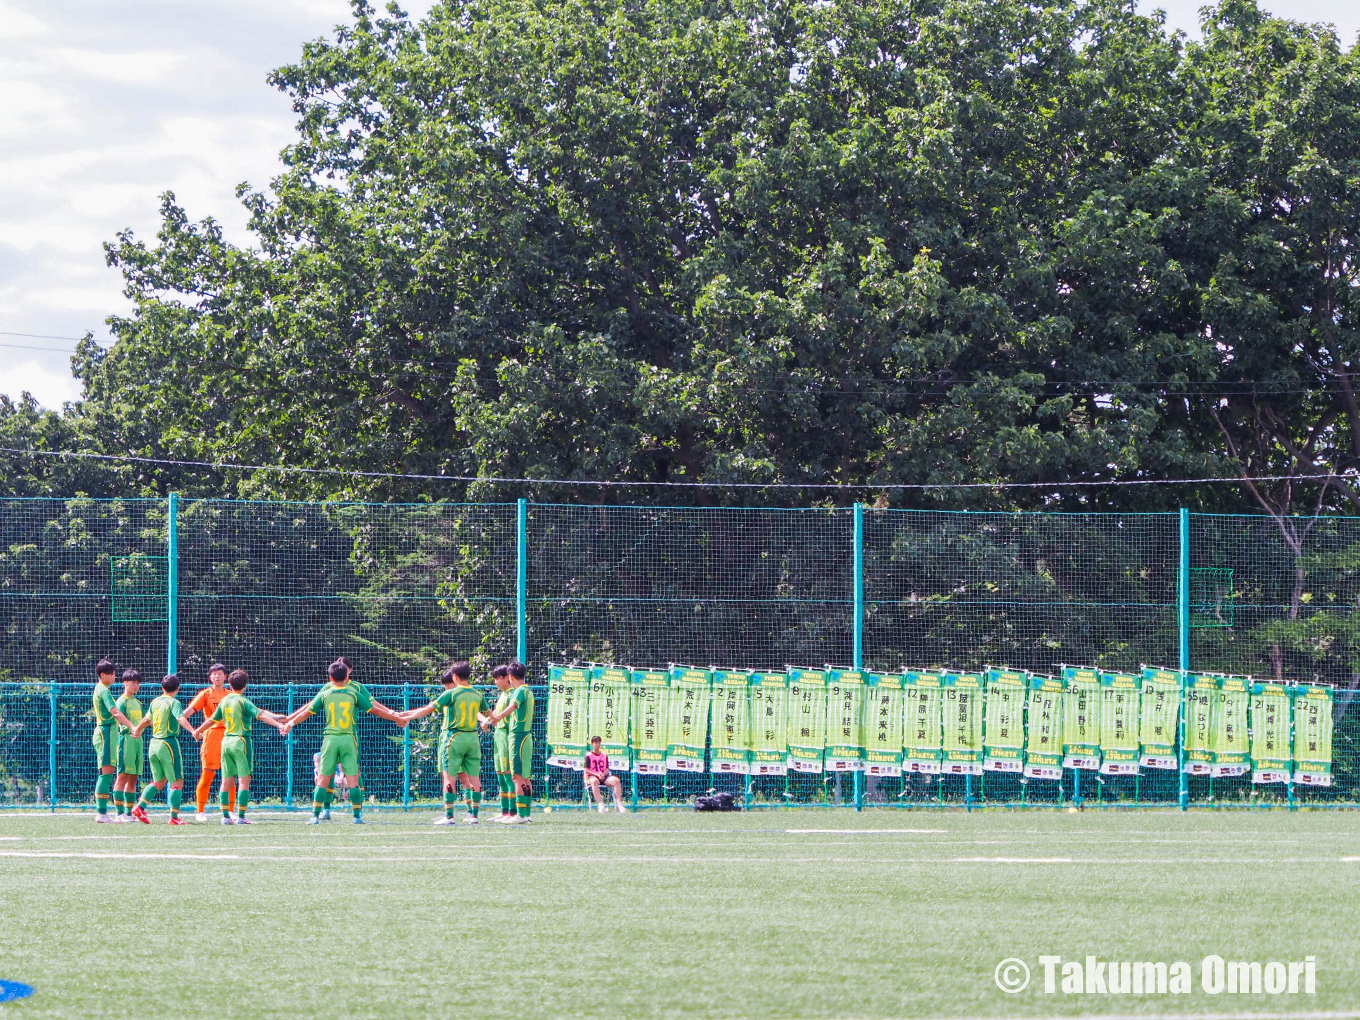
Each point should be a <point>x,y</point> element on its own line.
<point>461,669</point>
<point>170,684</point>
<point>131,676</point>
<point>238,679</point>
<point>217,667</point>
<point>446,677</point>
<point>338,670</point>
<point>104,666</point>
<point>501,671</point>
<point>347,664</point>
<point>517,669</point>
<point>595,740</point>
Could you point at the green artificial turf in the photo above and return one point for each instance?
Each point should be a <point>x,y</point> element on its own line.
<point>664,914</point>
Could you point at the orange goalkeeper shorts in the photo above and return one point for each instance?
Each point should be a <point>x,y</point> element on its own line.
<point>211,754</point>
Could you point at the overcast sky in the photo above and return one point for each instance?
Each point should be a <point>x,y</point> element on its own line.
<point>107,105</point>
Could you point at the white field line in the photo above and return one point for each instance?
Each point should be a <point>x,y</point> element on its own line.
<point>856,832</point>
<point>458,854</point>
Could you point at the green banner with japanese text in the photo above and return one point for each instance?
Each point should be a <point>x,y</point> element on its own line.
<point>731,721</point>
<point>568,715</point>
<point>687,727</point>
<point>650,702</point>
<point>1004,727</point>
<point>961,715</point>
<point>807,719</point>
<point>769,724</point>
<point>922,736</point>
<point>845,690</point>
<point>610,701</point>
<point>883,725</point>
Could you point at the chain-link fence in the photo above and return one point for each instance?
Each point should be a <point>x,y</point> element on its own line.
<point>281,589</point>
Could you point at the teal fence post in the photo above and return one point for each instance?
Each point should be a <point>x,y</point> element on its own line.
<point>288,757</point>
<point>858,649</point>
<point>172,585</point>
<point>52,744</point>
<point>521,580</point>
<point>1183,629</point>
<point>405,750</point>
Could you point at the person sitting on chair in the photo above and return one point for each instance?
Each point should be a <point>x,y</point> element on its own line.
<point>597,772</point>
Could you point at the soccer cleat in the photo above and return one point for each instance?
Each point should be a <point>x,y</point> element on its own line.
<point>202,816</point>
<point>121,819</point>
<point>358,820</point>
<point>139,813</point>
<point>471,820</point>
<point>104,819</point>
<point>441,820</point>
<point>314,820</point>
<point>226,820</point>
<point>326,815</point>
<point>243,820</point>
<point>177,821</point>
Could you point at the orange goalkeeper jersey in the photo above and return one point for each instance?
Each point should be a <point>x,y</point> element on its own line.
<point>206,701</point>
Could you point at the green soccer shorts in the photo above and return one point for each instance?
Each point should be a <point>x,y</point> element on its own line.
<point>461,752</point>
<point>105,745</point>
<point>238,757</point>
<point>500,750</point>
<point>522,754</point>
<point>130,754</point>
<point>167,764</point>
<point>337,749</point>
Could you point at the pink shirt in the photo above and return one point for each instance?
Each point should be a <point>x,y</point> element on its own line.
<point>597,763</point>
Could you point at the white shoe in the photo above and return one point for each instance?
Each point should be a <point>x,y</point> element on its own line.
<point>506,819</point>
<point>314,820</point>
<point>202,816</point>
<point>120,819</point>
<point>441,820</point>
<point>226,820</point>
<point>326,815</point>
<point>105,819</point>
<point>471,820</point>
<point>243,820</point>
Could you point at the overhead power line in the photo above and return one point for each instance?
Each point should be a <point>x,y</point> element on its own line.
<point>895,486</point>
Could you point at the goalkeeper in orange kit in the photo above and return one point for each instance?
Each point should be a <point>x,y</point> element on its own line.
<point>210,754</point>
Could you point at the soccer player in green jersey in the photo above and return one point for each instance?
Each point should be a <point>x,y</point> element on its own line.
<point>341,705</point>
<point>500,745</point>
<point>520,712</point>
<point>106,714</point>
<point>129,748</point>
<point>460,748</point>
<point>167,763</point>
<point>238,714</point>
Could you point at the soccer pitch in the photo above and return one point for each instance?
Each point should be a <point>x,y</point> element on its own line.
<point>781,914</point>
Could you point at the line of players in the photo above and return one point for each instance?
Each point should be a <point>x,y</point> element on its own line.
<point>228,713</point>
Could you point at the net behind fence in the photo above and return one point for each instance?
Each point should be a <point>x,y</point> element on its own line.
<point>877,614</point>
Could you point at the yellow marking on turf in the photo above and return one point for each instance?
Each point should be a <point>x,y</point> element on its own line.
<point>855,832</point>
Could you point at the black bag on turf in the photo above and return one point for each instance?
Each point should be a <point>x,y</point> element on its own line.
<point>716,802</point>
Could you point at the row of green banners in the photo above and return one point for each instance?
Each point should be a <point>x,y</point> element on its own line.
<point>940,722</point>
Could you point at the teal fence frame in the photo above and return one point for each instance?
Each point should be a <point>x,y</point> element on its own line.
<point>532,607</point>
